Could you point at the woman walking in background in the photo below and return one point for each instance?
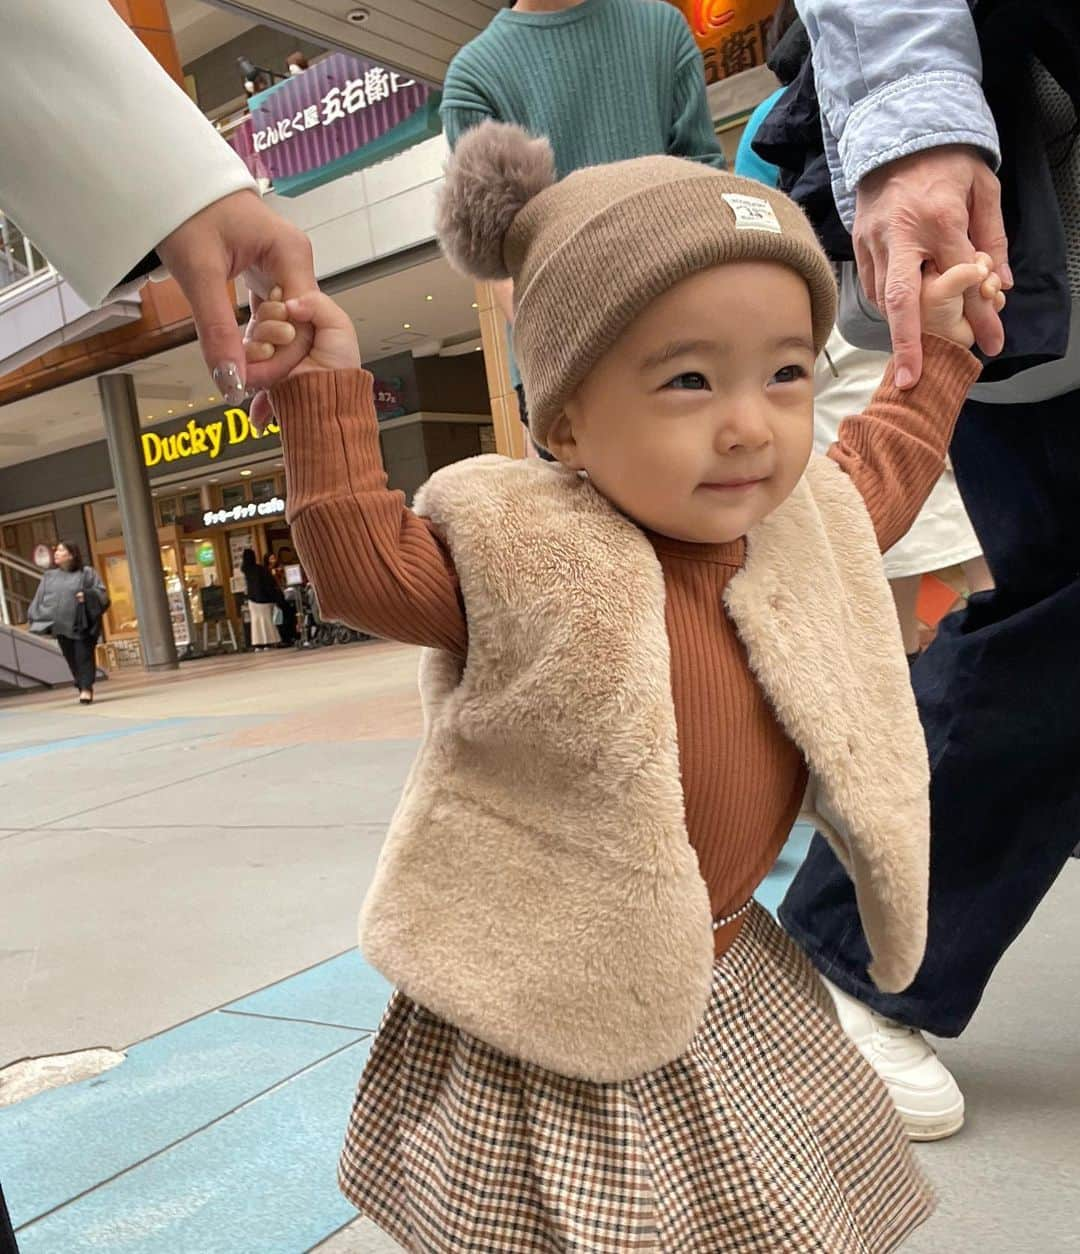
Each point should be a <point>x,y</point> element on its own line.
<point>287,625</point>
<point>69,605</point>
<point>263,596</point>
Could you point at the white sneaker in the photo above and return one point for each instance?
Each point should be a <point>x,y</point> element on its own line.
<point>926,1096</point>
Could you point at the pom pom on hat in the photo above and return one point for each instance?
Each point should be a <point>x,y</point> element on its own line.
<point>495,170</point>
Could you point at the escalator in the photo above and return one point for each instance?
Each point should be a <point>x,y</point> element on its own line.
<point>26,661</point>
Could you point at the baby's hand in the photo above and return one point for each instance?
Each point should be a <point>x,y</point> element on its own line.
<point>945,298</point>
<point>273,326</point>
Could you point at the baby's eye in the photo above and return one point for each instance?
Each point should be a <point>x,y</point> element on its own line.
<point>692,381</point>
<point>789,374</point>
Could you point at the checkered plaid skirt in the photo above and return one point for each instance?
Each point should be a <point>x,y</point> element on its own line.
<point>769,1134</point>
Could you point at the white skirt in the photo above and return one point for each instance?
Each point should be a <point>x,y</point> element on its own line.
<point>263,629</point>
<point>942,535</point>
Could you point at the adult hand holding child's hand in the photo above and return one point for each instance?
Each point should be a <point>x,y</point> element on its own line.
<point>274,325</point>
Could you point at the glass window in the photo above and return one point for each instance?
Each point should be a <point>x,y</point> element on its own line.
<point>106,514</point>
<point>263,489</point>
<point>121,613</point>
<point>166,511</point>
<point>191,505</point>
<point>232,495</point>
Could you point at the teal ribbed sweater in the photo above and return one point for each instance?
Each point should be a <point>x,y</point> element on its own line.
<point>604,81</point>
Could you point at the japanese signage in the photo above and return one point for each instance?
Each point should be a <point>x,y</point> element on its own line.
<point>273,508</point>
<point>730,33</point>
<point>201,438</point>
<point>341,115</point>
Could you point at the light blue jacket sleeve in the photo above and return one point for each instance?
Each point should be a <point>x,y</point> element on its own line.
<point>895,79</point>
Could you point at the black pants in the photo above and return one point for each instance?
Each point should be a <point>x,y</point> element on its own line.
<point>999,697</point>
<point>79,654</point>
<point>7,1235</point>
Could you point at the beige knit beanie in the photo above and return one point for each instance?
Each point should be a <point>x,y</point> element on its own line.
<point>589,253</point>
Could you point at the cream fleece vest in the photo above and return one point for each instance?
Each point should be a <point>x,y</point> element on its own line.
<point>537,887</point>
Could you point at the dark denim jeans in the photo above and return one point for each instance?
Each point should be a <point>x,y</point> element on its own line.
<point>999,697</point>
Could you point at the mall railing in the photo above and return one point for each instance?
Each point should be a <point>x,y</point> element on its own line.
<point>18,583</point>
<point>19,259</point>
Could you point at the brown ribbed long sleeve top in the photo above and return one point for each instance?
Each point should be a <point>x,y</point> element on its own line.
<point>379,567</point>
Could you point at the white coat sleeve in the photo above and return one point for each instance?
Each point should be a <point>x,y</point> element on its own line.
<point>103,155</point>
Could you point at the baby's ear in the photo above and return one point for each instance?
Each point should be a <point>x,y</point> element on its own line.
<point>561,443</point>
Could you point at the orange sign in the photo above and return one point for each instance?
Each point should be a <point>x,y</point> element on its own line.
<point>730,33</point>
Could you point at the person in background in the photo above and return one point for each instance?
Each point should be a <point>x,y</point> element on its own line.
<point>929,99</point>
<point>601,80</point>
<point>297,63</point>
<point>69,605</point>
<point>264,596</point>
<point>941,537</point>
<point>845,378</point>
<point>276,570</point>
<point>75,88</point>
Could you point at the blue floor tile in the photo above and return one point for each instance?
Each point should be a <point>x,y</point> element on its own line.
<point>261,1181</point>
<point>776,883</point>
<point>343,991</point>
<point>57,1144</point>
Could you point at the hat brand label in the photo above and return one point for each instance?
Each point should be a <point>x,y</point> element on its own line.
<point>752,213</point>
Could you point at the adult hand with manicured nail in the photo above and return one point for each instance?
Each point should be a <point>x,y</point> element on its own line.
<point>239,236</point>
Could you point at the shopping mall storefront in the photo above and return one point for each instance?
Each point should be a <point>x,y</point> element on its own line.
<point>218,487</point>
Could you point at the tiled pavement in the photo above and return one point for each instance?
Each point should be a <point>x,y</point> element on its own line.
<point>186,842</point>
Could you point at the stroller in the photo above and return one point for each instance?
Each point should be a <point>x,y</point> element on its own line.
<point>312,630</point>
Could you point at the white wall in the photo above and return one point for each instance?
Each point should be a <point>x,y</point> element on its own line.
<point>353,220</point>
<point>381,210</point>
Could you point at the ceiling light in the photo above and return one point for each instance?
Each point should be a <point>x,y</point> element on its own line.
<point>429,298</point>
<point>168,411</point>
<point>211,398</point>
<point>357,16</point>
<point>407,326</point>
<point>246,473</point>
<point>213,481</point>
<point>475,305</point>
<point>149,417</point>
<point>191,404</point>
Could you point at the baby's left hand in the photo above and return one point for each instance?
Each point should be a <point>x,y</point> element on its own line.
<point>945,298</point>
<point>273,326</point>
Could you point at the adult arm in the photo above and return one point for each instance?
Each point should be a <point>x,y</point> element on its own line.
<point>33,614</point>
<point>911,142</point>
<point>692,132</point>
<point>375,564</point>
<point>92,130</point>
<point>893,80</point>
<point>92,582</point>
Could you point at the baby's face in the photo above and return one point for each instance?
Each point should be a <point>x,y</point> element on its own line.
<point>699,420</point>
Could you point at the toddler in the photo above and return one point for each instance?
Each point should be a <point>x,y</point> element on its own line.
<point>640,663</point>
